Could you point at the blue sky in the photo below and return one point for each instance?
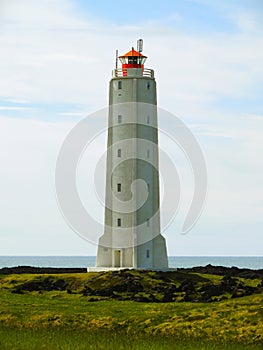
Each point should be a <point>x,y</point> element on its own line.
<point>56,62</point>
<point>188,15</point>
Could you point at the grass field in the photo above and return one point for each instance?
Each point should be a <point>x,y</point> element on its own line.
<point>78,340</point>
<point>62,320</point>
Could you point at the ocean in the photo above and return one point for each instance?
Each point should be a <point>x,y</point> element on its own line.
<point>251,262</point>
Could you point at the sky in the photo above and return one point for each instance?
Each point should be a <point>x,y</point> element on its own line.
<point>56,63</point>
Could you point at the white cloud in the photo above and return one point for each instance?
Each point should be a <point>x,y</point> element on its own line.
<point>247,21</point>
<point>254,117</point>
<point>43,15</point>
<point>17,108</point>
<point>53,54</point>
<point>76,114</point>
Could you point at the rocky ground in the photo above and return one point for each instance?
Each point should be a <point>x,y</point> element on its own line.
<point>208,269</point>
<point>198,284</point>
<point>168,286</point>
<point>39,270</point>
<point>223,271</point>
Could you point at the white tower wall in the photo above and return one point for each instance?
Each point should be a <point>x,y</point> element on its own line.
<point>132,236</point>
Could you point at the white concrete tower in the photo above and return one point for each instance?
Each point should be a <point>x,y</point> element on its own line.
<point>132,237</point>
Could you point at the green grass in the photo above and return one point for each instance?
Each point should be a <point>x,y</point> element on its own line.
<point>58,339</point>
<point>58,320</point>
<point>76,281</point>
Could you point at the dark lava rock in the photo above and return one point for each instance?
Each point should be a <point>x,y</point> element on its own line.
<point>242,291</point>
<point>87,291</point>
<point>260,285</point>
<point>187,286</point>
<point>39,270</point>
<point>190,297</point>
<point>145,298</point>
<point>109,283</point>
<point>144,286</point>
<point>211,290</point>
<point>47,284</point>
<point>168,297</point>
<point>228,284</point>
<point>147,286</point>
<point>135,286</point>
<point>222,271</point>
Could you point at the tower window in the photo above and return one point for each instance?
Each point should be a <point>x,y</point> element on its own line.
<point>119,85</point>
<point>147,253</point>
<point>119,119</point>
<point>148,119</point>
<point>118,222</point>
<point>148,86</point>
<point>148,153</point>
<point>132,60</point>
<point>119,187</point>
<point>148,222</point>
<point>119,153</point>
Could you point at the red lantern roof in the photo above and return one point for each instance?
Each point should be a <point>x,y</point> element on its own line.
<point>132,53</point>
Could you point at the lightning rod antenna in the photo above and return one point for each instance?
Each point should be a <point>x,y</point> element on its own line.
<point>140,45</point>
<point>116,63</point>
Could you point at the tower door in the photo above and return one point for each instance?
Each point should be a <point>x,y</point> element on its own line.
<point>117,258</point>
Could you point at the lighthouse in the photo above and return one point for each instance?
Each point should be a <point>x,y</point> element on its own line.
<point>132,234</point>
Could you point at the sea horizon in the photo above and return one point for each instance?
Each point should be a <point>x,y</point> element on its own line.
<point>180,261</point>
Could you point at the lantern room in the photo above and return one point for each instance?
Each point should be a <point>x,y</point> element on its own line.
<point>132,59</point>
<point>132,64</point>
